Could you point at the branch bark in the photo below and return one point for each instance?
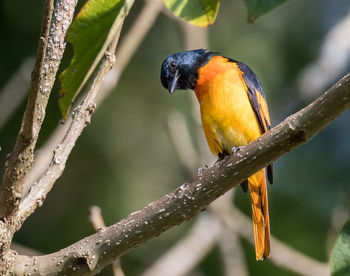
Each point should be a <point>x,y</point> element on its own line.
<point>98,223</point>
<point>50,51</point>
<point>81,117</point>
<point>91,254</point>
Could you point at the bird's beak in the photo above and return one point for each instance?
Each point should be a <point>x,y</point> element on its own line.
<point>173,83</point>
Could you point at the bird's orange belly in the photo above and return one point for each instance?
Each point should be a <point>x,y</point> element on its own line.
<point>227,115</point>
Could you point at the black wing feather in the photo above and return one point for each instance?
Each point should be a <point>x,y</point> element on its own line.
<point>254,85</point>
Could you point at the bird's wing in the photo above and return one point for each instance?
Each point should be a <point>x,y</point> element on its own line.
<point>258,102</point>
<point>256,97</point>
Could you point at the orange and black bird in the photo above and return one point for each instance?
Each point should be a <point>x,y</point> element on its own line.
<point>233,111</point>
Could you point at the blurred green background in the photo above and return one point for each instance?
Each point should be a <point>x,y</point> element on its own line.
<point>125,159</point>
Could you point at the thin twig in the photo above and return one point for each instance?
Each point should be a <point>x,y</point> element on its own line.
<point>96,218</point>
<point>189,251</point>
<point>196,37</point>
<point>51,47</point>
<point>98,224</point>
<point>232,253</point>
<point>45,154</point>
<point>130,44</point>
<point>91,254</point>
<point>137,32</point>
<point>81,117</point>
<point>181,139</point>
<point>24,250</point>
<point>15,90</point>
<point>333,61</point>
<point>233,257</point>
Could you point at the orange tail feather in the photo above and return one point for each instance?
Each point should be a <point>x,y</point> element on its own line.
<point>260,214</point>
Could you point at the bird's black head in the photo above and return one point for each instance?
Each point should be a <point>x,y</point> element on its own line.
<point>180,70</point>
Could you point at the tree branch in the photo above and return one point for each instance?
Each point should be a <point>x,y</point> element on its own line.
<point>228,241</point>
<point>96,218</point>
<point>81,117</point>
<point>91,254</point>
<point>50,51</point>
<point>98,223</point>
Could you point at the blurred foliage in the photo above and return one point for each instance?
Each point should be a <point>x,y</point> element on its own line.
<point>203,13</point>
<point>125,159</point>
<point>90,33</point>
<point>196,12</point>
<point>340,262</point>
<point>257,8</point>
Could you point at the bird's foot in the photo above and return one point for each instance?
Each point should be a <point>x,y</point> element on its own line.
<point>200,170</point>
<point>235,150</point>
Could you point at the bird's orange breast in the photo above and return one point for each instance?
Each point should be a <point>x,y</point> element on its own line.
<point>227,115</point>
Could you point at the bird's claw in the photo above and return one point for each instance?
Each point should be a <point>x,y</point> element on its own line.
<point>200,170</point>
<point>235,150</point>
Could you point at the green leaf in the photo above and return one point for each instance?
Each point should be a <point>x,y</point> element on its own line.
<point>340,259</point>
<point>257,8</point>
<point>197,12</point>
<point>92,30</point>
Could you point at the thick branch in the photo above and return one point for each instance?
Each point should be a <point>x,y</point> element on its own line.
<point>50,52</point>
<point>98,223</point>
<point>91,254</point>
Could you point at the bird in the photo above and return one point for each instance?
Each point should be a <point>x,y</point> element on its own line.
<point>234,112</point>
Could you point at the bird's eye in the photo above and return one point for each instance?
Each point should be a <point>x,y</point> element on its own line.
<point>172,64</point>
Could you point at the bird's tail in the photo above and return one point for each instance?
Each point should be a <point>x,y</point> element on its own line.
<point>260,214</point>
